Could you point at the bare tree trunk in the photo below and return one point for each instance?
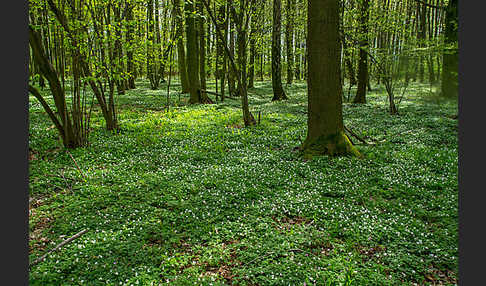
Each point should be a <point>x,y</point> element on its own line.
<point>278,92</point>
<point>325,128</point>
<point>181,56</point>
<point>363,55</point>
<point>289,40</point>
<point>231,75</point>
<point>251,68</point>
<point>129,39</point>
<point>202,48</point>
<point>192,52</point>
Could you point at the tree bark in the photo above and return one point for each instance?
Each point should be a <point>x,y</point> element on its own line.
<point>181,56</point>
<point>192,52</point>
<point>253,30</point>
<point>325,129</point>
<point>363,55</point>
<point>231,75</point>
<point>449,85</point>
<point>129,39</point>
<point>278,92</point>
<point>289,40</point>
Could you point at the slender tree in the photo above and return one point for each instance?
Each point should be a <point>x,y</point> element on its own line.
<point>278,92</point>
<point>192,52</point>
<point>449,85</point>
<point>363,53</point>
<point>181,56</point>
<point>289,40</point>
<point>231,74</point>
<point>202,46</point>
<point>130,43</point>
<point>253,35</point>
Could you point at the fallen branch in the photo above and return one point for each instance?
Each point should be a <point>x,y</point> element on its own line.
<point>79,169</point>
<point>58,247</point>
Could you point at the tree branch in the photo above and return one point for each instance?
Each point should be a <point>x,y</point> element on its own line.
<point>58,247</point>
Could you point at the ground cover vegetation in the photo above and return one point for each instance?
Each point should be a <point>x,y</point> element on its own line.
<point>189,195</point>
<point>245,142</point>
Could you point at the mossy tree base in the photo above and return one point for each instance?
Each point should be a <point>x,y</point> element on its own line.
<point>332,145</point>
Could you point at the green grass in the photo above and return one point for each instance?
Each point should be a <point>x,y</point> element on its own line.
<point>188,197</point>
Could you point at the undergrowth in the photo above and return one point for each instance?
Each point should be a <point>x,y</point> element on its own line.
<point>188,196</point>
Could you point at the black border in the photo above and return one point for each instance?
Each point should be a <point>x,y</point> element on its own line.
<point>471,109</point>
<point>14,117</point>
<point>14,138</point>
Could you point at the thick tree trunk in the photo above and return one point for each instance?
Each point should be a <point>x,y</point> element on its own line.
<point>325,128</point>
<point>278,92</point>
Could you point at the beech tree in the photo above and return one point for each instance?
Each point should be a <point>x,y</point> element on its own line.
<point>363,53</point>
<point>181,53</point>
<point>289,39</point>
<point>325,128</point>
<point>278,92</point>
<point>192,51</point>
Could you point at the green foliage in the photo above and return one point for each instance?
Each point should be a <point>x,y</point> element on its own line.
<point>189,197</point>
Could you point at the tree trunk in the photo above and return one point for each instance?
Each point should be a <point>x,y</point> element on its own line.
<point>325,128</point>
<point>181,56</point>
<point>151,72</point>
<point>129,39</point>
<point>247,116</point>
<point>231,75</point>
<point>192,52</point>
<point>120,86</point>
<point>348,63</point>
<point>251,68</point>
<point>278,92</point>
<point>363,55</point>
<point>202,47</point>
<point>449,85</point>
<point>289,40</point>
<point>203,97</point>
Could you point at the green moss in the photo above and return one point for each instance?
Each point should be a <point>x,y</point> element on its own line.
<point>334,145</point>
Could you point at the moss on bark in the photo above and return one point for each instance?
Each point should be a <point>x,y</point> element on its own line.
<point>333,145</point>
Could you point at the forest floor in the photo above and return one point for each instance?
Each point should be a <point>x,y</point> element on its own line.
<point>189,196</point>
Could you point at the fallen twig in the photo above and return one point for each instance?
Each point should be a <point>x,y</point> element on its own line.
<point>58,247</point>
<point>79,169</point>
